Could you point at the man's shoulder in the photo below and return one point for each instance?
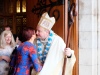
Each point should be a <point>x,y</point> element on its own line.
<point>58,37</point>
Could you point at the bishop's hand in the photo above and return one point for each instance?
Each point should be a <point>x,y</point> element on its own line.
<point>68,52</point>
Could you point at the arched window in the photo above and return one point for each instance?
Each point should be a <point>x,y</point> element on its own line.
<point>21,6</point>
<point>18,6</point>
<point>24,6</point>
<point>11,6</point>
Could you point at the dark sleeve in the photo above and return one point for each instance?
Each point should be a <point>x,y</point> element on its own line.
<point>69,56</point>
<point>34,58</point>
<point>13,58</point>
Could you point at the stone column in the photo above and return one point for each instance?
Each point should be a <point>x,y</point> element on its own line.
<point>98,37</point>
<point>88,37</point>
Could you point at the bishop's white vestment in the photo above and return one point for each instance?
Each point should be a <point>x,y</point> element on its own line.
<point>55,58</point>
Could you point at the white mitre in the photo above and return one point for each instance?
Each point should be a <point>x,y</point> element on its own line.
<point>46,21</point>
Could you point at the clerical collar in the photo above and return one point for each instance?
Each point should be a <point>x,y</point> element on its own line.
<point>42,56</point>
<point>45,40</point>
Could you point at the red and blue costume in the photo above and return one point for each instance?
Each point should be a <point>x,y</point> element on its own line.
<point>26,57</point>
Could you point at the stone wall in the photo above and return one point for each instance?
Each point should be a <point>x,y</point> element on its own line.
<point>89,41</point>
<point>98,21</point>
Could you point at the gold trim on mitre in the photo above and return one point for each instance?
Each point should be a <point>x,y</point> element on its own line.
<point>46,21</point>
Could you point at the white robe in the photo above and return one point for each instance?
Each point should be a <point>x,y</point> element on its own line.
<point>55,58</point>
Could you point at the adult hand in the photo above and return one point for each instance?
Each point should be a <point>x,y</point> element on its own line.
<point>67,52</point>
<point>6,58</point>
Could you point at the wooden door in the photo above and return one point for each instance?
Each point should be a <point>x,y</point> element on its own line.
<point>6,16</point>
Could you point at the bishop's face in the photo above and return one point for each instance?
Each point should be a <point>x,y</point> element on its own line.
<point>41,33</point>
